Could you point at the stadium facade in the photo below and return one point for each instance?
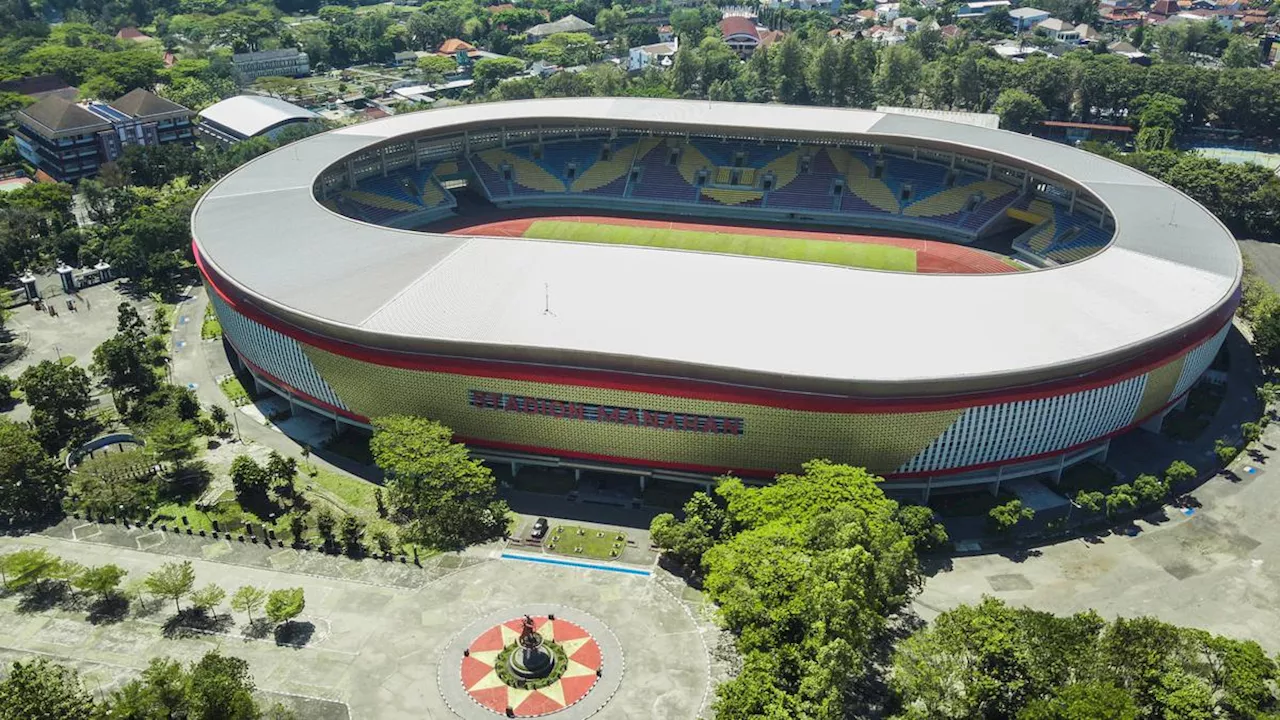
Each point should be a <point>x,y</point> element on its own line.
<point>689,365</point>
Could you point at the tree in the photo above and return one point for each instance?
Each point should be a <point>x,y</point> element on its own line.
<point>284,605</point>
<point>1251,431</point>
<point>1241,52</point>
<point>32,484</point>
<point>172,580</point>
<point>29,566</point>
<point>102,581</point>
<point>897,75</point>
<point>353,536</point>
<point>1091,500</point>
<point>1225,451</point>
<point>247,599</point>
<point>489,71</point>
<point>207,597</point>
<point>383,541</point>
<point>917,521</point>
<point>685,541</point>
<point>447,498</point>
<point>611,19</point>
<point>808,567</point>
<point>1083,701</point>
<point>433,68</point>
<point>7,384</point>
<point>42,690</point>
<point>297,527</point>
<point>1178,473</point>
<point>248,478</point>
<point>220,687</point>
<point>325,523</point>
<point>59,400</point>
<point>125,361</point>
<point>1019,111</point>
<point>1121,498</point>
<point>171,441</point>
<point>1004,517</point>
<point>281,470</point>
<point>1149,489</point>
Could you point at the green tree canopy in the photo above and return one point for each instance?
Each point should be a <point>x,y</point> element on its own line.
<point>805,572</point>
<point>445,497</point>
<point>59,398</point>
<point>285,604</point>
<point>32,483</point>
<point>172,580</point>
<point>42,690</point>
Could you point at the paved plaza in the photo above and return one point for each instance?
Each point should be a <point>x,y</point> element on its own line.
<point>1217,568</point>
<point>374,632</point>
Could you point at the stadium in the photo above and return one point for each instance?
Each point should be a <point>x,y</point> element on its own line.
<point>680,289</point>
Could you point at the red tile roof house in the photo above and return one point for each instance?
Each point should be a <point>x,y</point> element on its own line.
<point>740,35</point>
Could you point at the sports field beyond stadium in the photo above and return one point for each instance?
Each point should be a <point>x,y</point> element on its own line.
<point>872,252</point>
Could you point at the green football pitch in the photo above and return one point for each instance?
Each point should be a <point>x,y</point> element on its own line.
<point>831,252</point>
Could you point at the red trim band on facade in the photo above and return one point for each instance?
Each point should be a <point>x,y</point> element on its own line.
<point>707,469</point>
<point>710,391</point>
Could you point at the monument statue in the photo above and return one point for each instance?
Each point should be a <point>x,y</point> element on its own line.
<point>531,660</point>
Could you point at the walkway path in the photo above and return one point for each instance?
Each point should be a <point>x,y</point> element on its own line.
<point>377,635</point>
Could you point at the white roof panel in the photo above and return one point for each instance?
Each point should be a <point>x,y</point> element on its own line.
<point>1170,265</point>
<point>253,114</point>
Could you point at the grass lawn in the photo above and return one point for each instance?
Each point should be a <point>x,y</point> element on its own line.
<point>566,540</point>
<point>210,329</point>
<point>831,252</point>
<point>234,391</point>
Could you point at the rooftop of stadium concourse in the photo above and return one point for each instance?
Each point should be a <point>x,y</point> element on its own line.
<point>1171,266</point>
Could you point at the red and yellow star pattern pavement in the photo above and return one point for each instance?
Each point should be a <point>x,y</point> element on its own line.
<point>485,687</point>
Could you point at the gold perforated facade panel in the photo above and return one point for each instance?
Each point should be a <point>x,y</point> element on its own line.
<point>771,438</point>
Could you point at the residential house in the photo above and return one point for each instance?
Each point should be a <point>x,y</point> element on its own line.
<point>1059,30</point>
<point>69,141</point>
<point>740,34</point>
<point>568,23</point>
<point>888,12</point>
<point>906,25</point>
<point>973,10</point>
<point>1162,10</point>
<point>1133,54</point>
<point>666,33</point>
<point>285,62</point>
<point>1025,19</point>
<point>134,34</point>
<point>659,55</point>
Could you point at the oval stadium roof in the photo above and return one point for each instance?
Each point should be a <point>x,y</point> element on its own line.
<point>749,320</point>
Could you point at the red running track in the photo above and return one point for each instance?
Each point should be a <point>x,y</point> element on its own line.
<point>932,256</point>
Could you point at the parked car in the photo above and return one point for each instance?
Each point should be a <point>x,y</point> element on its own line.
<point>540,528</point>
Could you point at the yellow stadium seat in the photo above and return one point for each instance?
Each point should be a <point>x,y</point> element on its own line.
<point>731,197</point>
<point>784,168</point>
<point>378,201</point>
<point>603,172</point>
<point>432,195</point>
<point>523,172</point>
<point>954,199</point>
<point>860,182</point>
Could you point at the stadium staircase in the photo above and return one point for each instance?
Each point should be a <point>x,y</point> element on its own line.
<point>661,181</point>
<point>874,194</point>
